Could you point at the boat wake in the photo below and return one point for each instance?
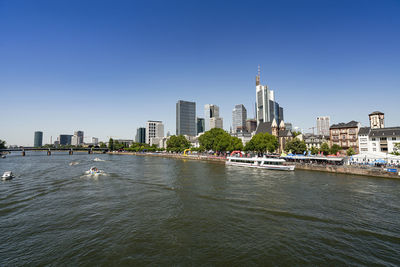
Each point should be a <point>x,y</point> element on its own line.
<point>97,159</point>
<point>73,163</point>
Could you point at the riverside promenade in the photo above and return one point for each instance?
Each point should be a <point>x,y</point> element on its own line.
<point>340,169</point>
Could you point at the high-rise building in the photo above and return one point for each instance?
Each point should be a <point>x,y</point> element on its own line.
<point>251,125</point>
<point>266,108</point>
<point>323,124</point>
<point>95,141</point>
<point>216,123</point>
<point>140,135</point>
<point>185,118</point>
<point>239,117</point>
<point>154,129</point>
<point>65,139</point>
<point>79,135</point>
<point>38,139</point>
<point>210,111</point>
<point>200,125</point>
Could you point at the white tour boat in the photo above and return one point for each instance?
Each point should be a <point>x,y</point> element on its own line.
<point>260,162</point>
<point>7,175</point>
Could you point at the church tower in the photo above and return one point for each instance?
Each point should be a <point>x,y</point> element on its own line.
<point>377,120</point>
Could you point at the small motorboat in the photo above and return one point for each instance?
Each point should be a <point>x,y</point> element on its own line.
<point>7,175</point>
<point>3,156</point>
<point>94,171</point>
<point>97,159</point>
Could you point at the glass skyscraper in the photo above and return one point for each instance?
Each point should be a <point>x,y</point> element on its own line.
<point>38,139</point>
<point>186,118</point>
<point>141,135</point>
<point>239,117</point>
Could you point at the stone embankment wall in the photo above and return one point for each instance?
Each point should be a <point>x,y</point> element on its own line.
<point>175,156</point>
<point>351,170</point>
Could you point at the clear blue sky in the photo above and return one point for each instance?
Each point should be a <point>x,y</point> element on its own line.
<point>106,67</point>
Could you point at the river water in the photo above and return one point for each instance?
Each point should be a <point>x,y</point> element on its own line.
<point>161,211</point>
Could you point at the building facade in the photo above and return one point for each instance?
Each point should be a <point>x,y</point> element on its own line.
<point>186,118</point>
<point>200,125</point>
<point>315,140</point>
<point>323,124</point>
<point>251,125</point>
<point>345,135</point>
<point>140,135</point>
<point>154,129</point>
<point>216,123</point>
<point>210,111</point>
<point>95,141</point>
<point>38,139</point>
<point>377,138</point>
<point>65,139</point>
<point>239,117</point>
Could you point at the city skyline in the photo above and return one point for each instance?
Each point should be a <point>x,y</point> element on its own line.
<point>62,63</point>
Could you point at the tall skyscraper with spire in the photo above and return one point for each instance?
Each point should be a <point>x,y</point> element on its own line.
<point>266,108</point>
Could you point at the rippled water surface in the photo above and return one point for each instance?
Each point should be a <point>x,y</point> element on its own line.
<point>159,211</point>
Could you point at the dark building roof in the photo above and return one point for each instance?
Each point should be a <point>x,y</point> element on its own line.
<point>350,124</point>
<point>392,131</point>
<point>285,133</point>
<point>380,132</point>
<point>264,127</point>
<point>364,131</point>
<point>376,113</point>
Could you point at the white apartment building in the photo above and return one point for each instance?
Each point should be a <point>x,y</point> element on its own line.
<point>377,138</point>
<point>323,124</point>
<point>154,129</point>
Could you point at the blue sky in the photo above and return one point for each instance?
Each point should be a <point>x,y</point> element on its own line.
<point>106,67</point>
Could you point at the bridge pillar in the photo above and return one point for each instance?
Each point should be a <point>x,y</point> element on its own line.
<point>71,152</point>
<point>48,152</point>
<point>90,152</point>
<point>23,153</point>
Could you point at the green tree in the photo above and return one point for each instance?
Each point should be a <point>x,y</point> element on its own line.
<point>325,149</point>
<point>236,144</point>
<point>102,145</point>
<point>296,146</point>
<point>177,143</point>
<point>262,142</point>
<point>215,139</point>
<point>111,144</point>
<point>2,144</point>
<point>314,150</point>
<point>335,149</point>
<point>350,152</point>
<point>294,133</point>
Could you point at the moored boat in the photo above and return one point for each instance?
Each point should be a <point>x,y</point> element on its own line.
<point>261,163</point>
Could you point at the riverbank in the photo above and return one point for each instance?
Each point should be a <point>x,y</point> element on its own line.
<point>340,169</point>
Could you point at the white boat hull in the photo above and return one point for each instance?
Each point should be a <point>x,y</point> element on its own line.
<point>267,167</point>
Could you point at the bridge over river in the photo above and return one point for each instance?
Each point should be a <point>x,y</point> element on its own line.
<point>71,151</point>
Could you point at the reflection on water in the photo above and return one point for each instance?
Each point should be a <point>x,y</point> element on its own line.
<point>157,211</point>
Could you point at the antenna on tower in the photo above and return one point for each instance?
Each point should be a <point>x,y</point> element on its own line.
<point>258,76</point>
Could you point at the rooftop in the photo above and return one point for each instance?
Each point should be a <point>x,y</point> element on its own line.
<point>350,124</point>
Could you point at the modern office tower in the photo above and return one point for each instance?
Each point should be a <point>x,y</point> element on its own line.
<point>323,124</point>
<point>200,125</point>
<point>154,129</point>
<point>140,135</point>
<point>251,125</point>
<point>79,135</point>
<point>185,118</point>
<point>266,108</point>
<point>288,126</point>
<point>95,141</point>
<point>74,140</point>
<point>216,123</point>
<point>38,139</point>
<point>210,111</point>
<point>239,117</point>
<point>65,139</point>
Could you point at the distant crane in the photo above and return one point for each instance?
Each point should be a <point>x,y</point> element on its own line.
<point>312,129</point>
